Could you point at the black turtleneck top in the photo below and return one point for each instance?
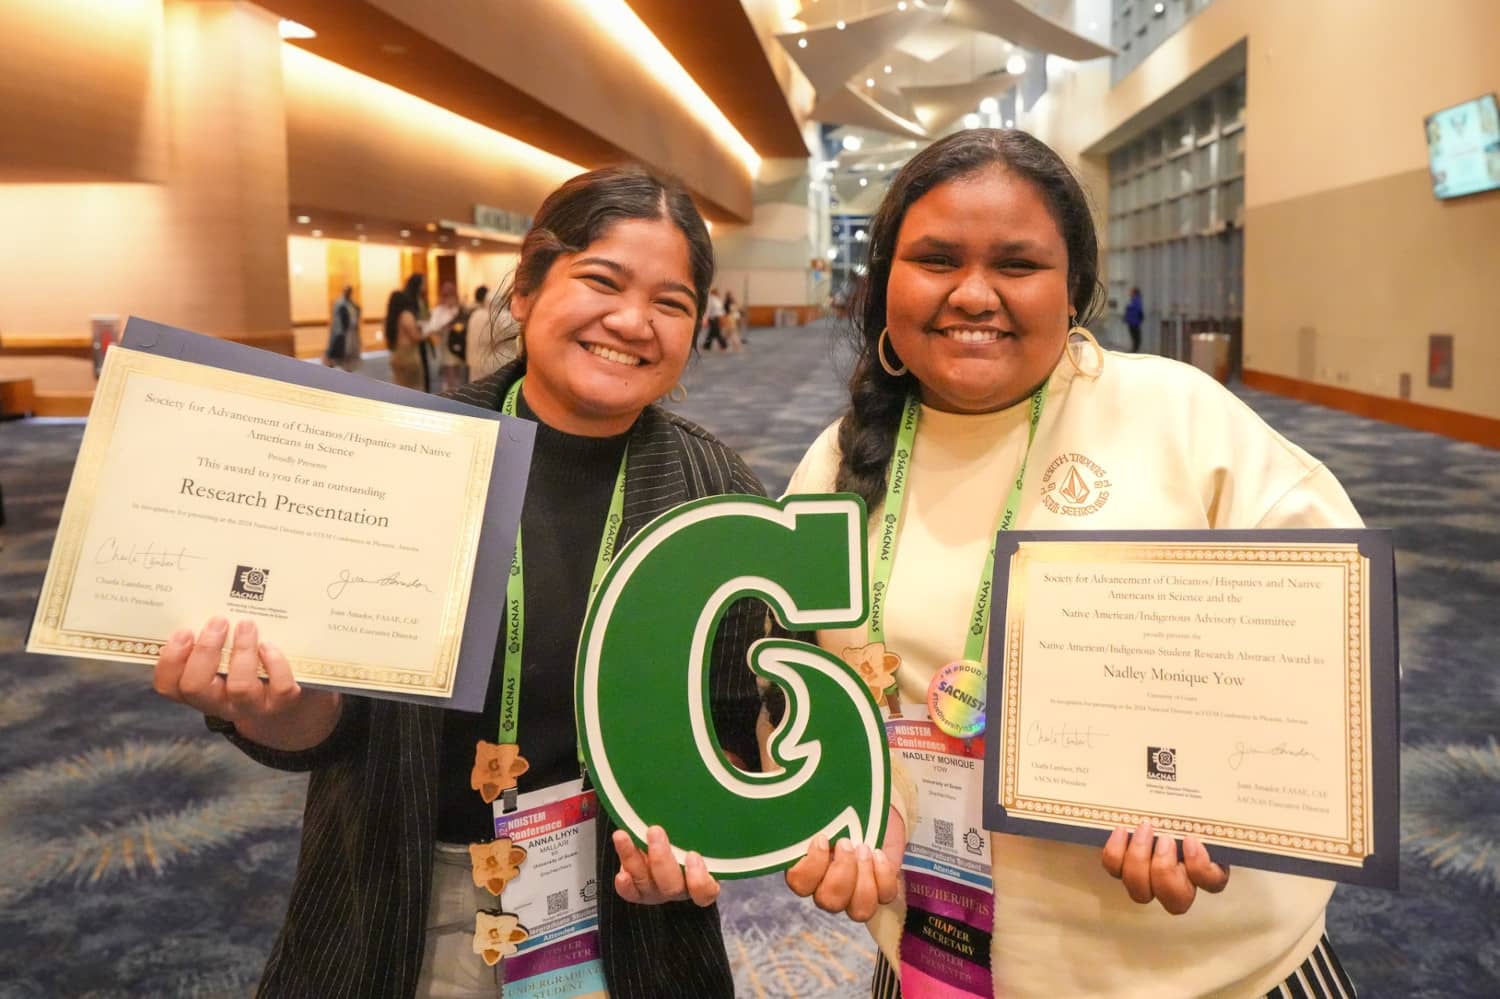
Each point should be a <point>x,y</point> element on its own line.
<point>562,523</point>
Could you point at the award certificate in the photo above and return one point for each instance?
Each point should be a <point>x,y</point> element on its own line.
<point>1236,686</point>
<point>348,527</point>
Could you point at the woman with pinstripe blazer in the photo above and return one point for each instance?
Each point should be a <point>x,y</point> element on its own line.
<point>611,283</point>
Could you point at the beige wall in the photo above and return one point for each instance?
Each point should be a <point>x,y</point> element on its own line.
<point>1350,262</point>
<point>206,249</point>
<point>360,147</point>
<point>81,88</point>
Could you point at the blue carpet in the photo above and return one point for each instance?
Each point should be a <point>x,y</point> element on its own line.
<point>145,857</point>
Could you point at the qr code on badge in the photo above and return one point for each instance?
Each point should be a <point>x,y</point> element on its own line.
<point>557,902</point>
<point>942,834</point>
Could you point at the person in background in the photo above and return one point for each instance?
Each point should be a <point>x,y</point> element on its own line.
<point>1135,314</point>
<point>730,324</point>
<point>610,284</point>
<point>968,394</point>
<point>445,316</point>
<point>484,354</point>
<point>343,332</point>
<point>403,336</point>
<point>714,316</point>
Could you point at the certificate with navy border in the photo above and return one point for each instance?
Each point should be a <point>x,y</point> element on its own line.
<point>367,529</point>
<point>1236,686</point>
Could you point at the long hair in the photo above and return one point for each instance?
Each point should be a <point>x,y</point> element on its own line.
<point>867,435</point>
<point>581,211</point>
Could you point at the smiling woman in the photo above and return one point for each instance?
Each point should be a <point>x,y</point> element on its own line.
<point>612,279</point>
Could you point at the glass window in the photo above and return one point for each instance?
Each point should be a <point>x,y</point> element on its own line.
<point>1203,117</point>
<point>1180,132</point>
<point>1205,169</point>
<point>1232,208</point>
<point>1232,159</point>
<point>1182,210</point>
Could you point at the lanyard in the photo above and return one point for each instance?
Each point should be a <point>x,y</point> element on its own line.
<point>515,593</point>
<point>895,496</point>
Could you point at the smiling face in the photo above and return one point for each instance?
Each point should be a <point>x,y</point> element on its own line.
<point>977,301</point>
<point>610,328</point>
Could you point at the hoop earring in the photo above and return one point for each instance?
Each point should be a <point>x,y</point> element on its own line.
<point>890,369</point>
<point>673,395</point>
<point>1089,339</point>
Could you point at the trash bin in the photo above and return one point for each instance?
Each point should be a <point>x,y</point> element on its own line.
<point>1209,352</point>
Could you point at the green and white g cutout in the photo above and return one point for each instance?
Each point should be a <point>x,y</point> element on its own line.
<point>642,684</point>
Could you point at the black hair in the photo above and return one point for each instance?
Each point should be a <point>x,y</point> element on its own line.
<point>481,293</point>
<point>867,435</point>
<point>583,210</point>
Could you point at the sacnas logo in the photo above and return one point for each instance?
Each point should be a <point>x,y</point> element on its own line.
<point>249,583</point>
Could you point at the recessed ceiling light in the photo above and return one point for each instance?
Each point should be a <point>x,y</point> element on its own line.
<point>864,181</point>
<point>901,5</point>
<point>303,219</point>
<point>887,68</point>
<point>476,242</point>
<point>317,232</point>
<point>971,120</point>
<point>432,227</point>
<point>1160,8</point>
<point>1010,123</point>
<point>839,25</point>
<point>852,143</point>
<point>405,233</point>
<point>1016,64</point>
<point>869,82</point>
<point>802,43</point>
<point>989,106</point>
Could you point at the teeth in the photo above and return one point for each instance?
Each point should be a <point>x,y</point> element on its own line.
<point>613,355</point>
<point>971,336</point>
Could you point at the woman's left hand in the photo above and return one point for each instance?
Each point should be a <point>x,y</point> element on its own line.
<point>653,877</point>
<point>1156,872</point>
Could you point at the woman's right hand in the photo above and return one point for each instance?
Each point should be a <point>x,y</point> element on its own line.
<point>274,712</point>
<point>854,880</point>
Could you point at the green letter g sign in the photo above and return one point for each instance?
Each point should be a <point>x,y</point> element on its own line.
<point>642,683</point>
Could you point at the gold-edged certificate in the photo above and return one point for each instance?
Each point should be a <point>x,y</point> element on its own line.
<point>1239,687</point>
<point>354,521</point>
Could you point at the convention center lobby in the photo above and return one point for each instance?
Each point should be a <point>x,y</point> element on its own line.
<point>1296,208</point>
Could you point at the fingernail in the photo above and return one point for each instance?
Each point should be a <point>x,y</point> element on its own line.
<point>820,842</point>
<point>656,834</point>
<point>694,858</point>
<point>863,853</point>
<point>845,846</point>
<point>1190,847</point>
<point>1165,845</point>
<point>881,860</point>
<point>1144,829</point>
<point>216,629</point>
<point>181,636</point>
<point>267,649</point>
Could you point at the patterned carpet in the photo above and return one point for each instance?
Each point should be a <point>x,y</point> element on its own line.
<point>144,857</point>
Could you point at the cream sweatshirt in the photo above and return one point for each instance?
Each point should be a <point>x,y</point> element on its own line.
<point>1173,449</point>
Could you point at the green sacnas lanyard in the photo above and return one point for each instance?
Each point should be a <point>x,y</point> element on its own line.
<point>895,497</point>
<point>515,596</point>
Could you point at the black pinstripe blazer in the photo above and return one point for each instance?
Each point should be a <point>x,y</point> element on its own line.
<point>354,925</point>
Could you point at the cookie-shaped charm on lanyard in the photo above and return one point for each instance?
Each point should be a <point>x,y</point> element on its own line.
<point>496,767</point>
<point>877,668</point>
<point>496,864</point>
<point>496,935</point>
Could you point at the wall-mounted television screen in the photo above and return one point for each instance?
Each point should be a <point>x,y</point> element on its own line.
<point>1463,148</point>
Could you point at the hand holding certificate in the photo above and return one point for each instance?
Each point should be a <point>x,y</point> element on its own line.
<point>1236,687</point>
<point>354,528</point>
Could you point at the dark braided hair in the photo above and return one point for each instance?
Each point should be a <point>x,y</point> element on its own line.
<point>867,435</point>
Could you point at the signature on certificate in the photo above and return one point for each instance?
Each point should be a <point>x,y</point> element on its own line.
<point>112,550</point>
<point>1237,756</point>
<point>1064,735</point>
<point>346,578</point>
